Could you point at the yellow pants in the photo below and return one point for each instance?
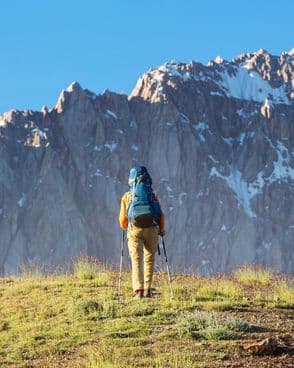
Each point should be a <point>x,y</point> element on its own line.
<point>142,245</point>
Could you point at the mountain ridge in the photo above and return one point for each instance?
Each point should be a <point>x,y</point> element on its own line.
<point>223,167</point>
<point>241,58</point>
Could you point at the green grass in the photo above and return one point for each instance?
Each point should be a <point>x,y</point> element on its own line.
<point>88,268</point>
<point>250,275</point>
<point>33,271</point>
<point>209,326</point>
<point>79,320</point>
<point>283,294</point>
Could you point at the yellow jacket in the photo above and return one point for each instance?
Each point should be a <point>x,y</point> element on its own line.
<point>123,219</point>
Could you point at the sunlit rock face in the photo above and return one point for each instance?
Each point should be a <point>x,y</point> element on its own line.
<point>218,141</point>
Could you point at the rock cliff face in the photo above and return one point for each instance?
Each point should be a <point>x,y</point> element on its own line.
<point>218,141</point>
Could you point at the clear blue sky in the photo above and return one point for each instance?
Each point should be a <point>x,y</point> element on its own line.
<point>46,44</point>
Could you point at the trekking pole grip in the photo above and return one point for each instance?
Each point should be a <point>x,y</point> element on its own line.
<point>163,245</point>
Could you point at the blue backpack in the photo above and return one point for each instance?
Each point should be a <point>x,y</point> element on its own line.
<point>144,209</point>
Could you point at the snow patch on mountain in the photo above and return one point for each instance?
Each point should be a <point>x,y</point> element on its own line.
<point>40,133</point>
<point>21,202</point>
<point>244,191</point>
<point>241,78</point>
<point>243,113</point>
<point>201,127</point>
<point>173,69</point>
<point>135,147</point>
<point>249,85</point>
<point>111,113</point>
<point>97,173</point>
<point>3,124</point>
<point>182,195</point>
<point>282,169</point>
<point>111,146</point>
<point>239,186</point>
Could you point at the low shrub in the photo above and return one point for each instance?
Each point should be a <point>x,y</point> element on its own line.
<point>31,271</point>
<point>283,295</point>
<point>251,276</point>
<point>89,309</point>
<point>202,325</point>
<point>89,268</point>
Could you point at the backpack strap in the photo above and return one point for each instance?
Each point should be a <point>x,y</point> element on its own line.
<point>130,194</point>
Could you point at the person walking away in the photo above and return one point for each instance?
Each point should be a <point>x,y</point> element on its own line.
<point>142,217</point>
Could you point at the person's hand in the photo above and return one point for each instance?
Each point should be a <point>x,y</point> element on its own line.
<point>161,232</point>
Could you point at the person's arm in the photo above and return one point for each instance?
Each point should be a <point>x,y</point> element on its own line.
<point>161,230</point>
<point>162,225</point>
<point>123,219</point>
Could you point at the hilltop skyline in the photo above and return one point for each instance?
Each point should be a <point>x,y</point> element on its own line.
<point>109,46</point>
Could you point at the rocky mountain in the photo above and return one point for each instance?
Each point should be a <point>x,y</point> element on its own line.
<point>218,140</point>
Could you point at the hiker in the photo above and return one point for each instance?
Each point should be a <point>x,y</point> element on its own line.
<point>142,217</point>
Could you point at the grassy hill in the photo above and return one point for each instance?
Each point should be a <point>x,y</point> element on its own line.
<point>79,320</point>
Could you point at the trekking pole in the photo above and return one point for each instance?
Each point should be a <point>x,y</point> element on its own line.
<point>167,268</point>
<point>158,249</point>
<point>121,259</point>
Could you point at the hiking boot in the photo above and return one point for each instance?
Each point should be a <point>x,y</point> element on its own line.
<point>139,294</point>
<point>147,293</point>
